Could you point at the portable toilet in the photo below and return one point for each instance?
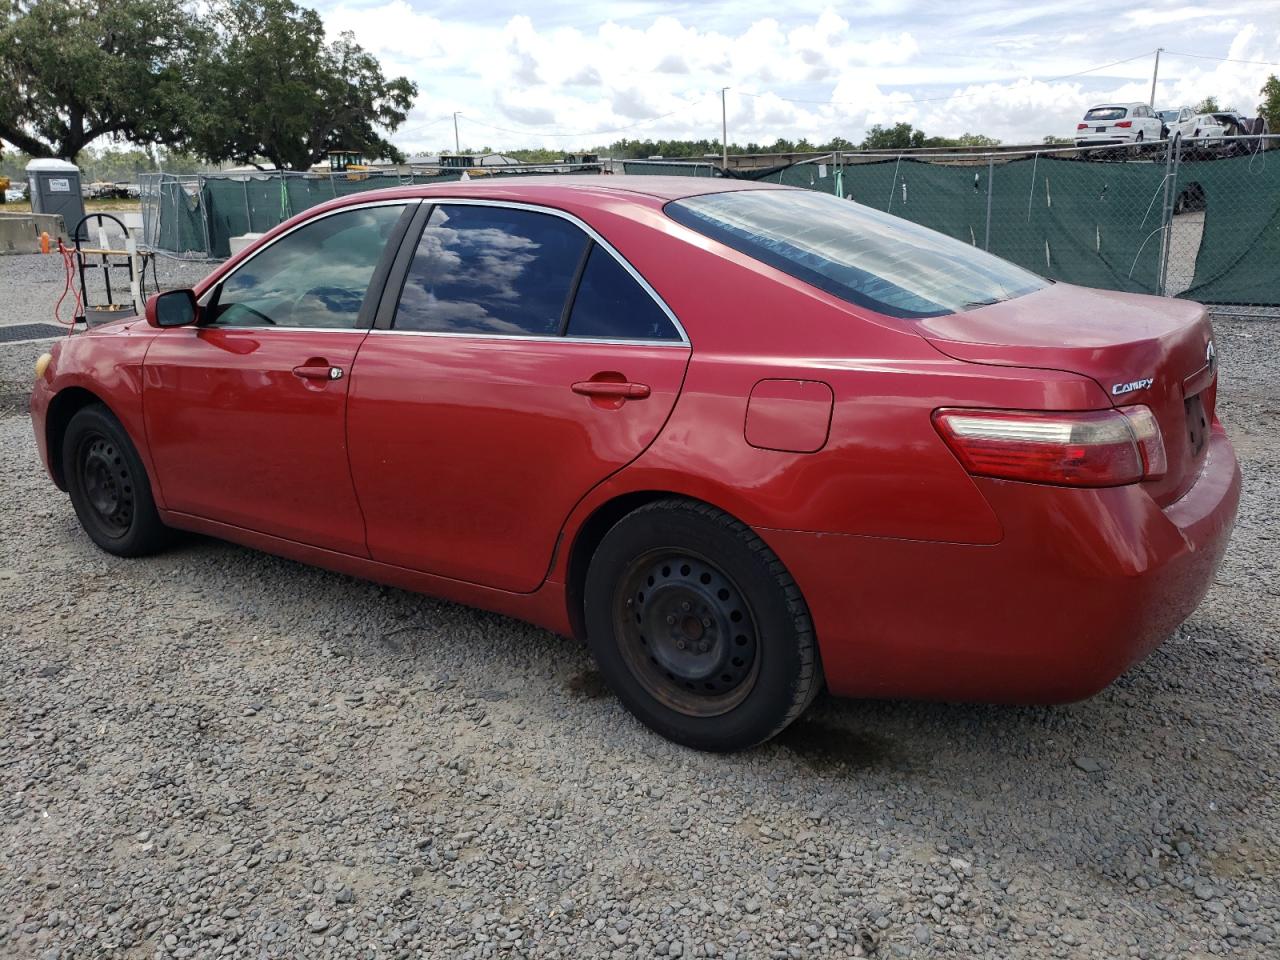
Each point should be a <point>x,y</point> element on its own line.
<point>55,188</point>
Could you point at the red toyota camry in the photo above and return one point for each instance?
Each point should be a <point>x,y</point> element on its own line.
<point>744,440</point>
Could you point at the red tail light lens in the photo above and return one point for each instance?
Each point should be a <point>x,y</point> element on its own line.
<point>1125,123</point>
<point>1082,126</point>
<point>1104,448</point>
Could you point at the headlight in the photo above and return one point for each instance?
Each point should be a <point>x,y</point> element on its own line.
<point>42,364</point>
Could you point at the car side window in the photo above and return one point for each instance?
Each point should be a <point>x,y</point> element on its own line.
<point>612,305</point>
<point>316,276</point>
<point>491,270</point>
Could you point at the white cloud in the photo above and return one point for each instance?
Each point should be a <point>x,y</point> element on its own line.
<point>987,66</point>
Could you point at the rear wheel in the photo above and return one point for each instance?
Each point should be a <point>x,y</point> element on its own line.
<point>109,486</point>
<point>698,627</point>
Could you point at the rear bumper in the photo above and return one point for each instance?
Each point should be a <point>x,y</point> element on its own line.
<point>1084,584</point>
<point>1103,141</point>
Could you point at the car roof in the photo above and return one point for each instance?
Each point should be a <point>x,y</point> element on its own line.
<point>553,187</point>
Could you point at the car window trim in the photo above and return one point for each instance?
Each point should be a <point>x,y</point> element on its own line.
<point>574,286</point>
<point>385,319</point>
<point>366,316</point>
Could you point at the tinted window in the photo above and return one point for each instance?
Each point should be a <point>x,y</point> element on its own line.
<point>610,304</point>
<point>1106,113</point>
<point>855,253</point>
<point>491,270</point>
<point>314,277</point>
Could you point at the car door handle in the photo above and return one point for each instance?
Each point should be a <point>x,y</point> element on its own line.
<point>317,370</point>
<point>612,389</point>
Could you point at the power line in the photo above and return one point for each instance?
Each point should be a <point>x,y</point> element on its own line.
<point>1205,56</point>
<point>956,96</point>
<point>421,127</point>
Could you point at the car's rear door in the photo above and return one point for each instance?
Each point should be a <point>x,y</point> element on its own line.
<point>245,413</point>
<point>524,362</point>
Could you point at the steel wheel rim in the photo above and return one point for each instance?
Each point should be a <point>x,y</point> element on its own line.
<point>687,632</point>
<point>107,483</point>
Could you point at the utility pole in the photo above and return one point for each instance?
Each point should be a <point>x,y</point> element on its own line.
<point>1155,73</point>
<point>724,130</point>
<point>457,145</point>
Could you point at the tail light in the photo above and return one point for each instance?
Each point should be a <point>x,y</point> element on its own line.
<point>1125,123</point>
<point>1104,448</point>
<point>1082,126</point>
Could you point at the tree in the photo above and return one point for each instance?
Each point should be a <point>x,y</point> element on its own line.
<point>73,70</point>
<point>1210,105</point>
<point>275,89</point>
<point>976,140</point>
<point>901,136</point>
<point>1053,141</point>
<point>1269,108</point>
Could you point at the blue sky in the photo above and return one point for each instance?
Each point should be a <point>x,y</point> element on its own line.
<point>562,74</point>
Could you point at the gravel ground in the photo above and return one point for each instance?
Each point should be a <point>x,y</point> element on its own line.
<point>219,753</point>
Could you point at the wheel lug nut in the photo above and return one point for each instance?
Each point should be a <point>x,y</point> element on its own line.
<point>703,647</point>
<point>671,618</point>
<point>680,644</point>
<point>684,605</point>
<point>706,621</point>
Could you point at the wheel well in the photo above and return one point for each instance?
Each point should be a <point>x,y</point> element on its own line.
<point>61,409</point>
<point>588,538</point>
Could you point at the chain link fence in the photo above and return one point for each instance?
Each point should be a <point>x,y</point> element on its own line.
<point>1191,219</point>
<point>194,217</point>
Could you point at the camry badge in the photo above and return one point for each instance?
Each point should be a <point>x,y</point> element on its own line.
<point>1131,386</point>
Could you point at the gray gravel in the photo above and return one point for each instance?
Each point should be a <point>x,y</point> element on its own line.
<point>218,753</point>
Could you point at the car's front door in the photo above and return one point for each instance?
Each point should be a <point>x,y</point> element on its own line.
<point>245,413</point>
<point>524,364</point>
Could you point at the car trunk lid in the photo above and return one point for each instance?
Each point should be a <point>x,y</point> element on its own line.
<point>1139,350</point>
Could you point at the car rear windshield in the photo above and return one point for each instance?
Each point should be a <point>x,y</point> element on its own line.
<point>860,255</point>
<point>1106,113</point>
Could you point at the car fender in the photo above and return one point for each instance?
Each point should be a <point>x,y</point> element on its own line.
<point>106,362</point>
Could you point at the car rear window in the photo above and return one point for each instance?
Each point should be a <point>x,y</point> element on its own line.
<point>862,256</point>
<point>1106,113</point>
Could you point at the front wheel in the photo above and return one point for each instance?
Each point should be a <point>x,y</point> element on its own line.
<point>109,486</point>
<point>698,627</point>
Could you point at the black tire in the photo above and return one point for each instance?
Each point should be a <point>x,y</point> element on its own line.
<point>698,627</point>
<point>109,486</point>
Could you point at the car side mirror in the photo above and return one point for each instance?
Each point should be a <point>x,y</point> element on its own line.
<point>172,308</point>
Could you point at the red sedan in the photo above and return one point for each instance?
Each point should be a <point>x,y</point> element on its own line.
<point>744,440</point>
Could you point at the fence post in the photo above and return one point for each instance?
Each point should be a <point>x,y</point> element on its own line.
<point>248,210</point>
<point>893,186</point>
<point>204,215</point>
<point>991,170</point>
<point>1173,155</point>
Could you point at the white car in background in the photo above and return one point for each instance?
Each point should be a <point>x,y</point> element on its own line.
<point>1177,123</point>
<point>1118,124</point>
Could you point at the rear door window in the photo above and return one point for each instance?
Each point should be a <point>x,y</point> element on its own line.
<point>1106,113</point>
<point>858,254</point>
<point>612,305</point>
<point>491,270</point>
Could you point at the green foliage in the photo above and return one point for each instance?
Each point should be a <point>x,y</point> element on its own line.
<point>1269,108</point>
<point>1052,141</point>
<point>1210,105</point>
<point>901,136</point>
<point>236,80</point>
<point>73,70</point>
<point>275,89</point>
